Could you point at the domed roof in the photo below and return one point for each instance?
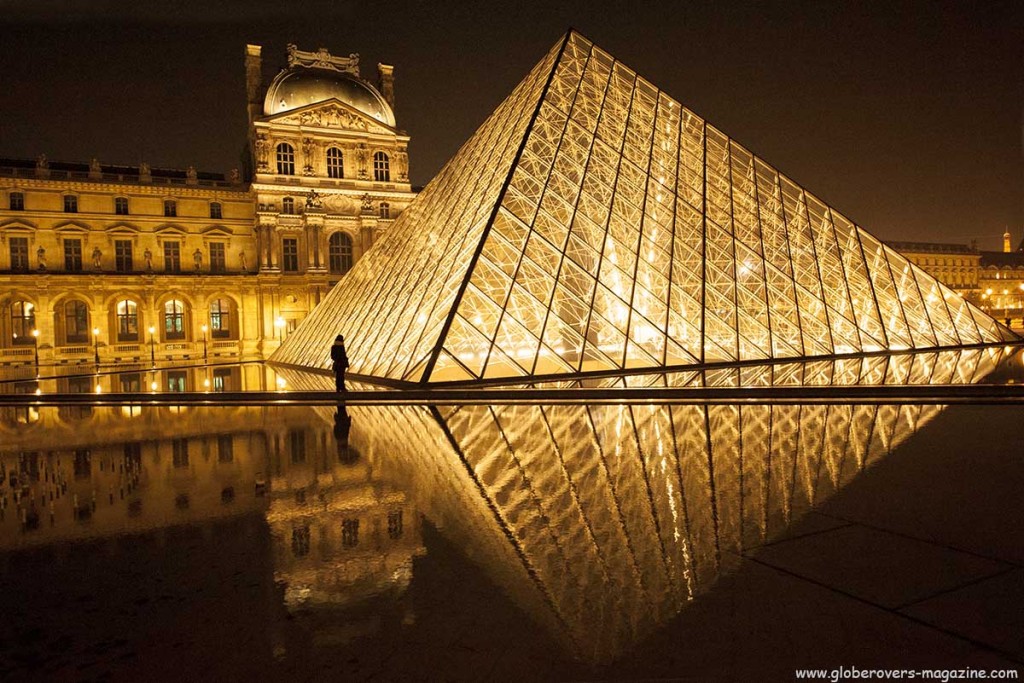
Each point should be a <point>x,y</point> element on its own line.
<point>300,86</point>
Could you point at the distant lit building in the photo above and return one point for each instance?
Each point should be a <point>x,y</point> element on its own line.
<point>954,265</point>
<point>1001,281</point>
<point>133,263</point>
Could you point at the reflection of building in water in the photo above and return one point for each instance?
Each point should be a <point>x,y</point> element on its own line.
<point>601,522</point>
<point>341,532</point>
<point>604,521</point>
<point>134,378</point>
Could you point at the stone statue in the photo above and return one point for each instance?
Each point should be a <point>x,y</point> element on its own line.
<point>307,156</point>
<point>97,258</point>
<point>94,167</point>
<point>235,176</point>
<point>245,266</point>
<point>262,147</point>
<point>144,171</point>
<point>41,257</point>
<point>362,156</point>
<point>402,162</point>
<point>148,255</point>
<point>367,204</point>
<point>313,200</point>
<point>197,256</point>
<point>41,161</point>
<point>191,174</point>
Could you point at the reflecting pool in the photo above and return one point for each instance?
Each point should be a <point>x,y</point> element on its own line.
<point>456,541</point>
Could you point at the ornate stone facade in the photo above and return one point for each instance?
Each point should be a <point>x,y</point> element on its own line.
<point>132,264</point>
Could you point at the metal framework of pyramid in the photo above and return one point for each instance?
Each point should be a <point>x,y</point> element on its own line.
<point>594,225</point>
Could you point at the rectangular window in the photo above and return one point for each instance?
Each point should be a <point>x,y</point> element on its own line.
<point>172,257</point>
<point>395,528</point>
<point>177,380</point>
<point>215,211</point>
<point>130,383</point>
<point>349,533</point>
<point>225,448</point>
<point>179,452</point>
<point>222,380</point>
<point>170,208</point>
<point>121,206</point>
<point>17,201</point>
<point>297,444</point>
<point>290,254</point>
<point>123,256</point>
<point>70,203</point>
<point>73,255</point>
<point>19,253</point>
<point>218,257</point>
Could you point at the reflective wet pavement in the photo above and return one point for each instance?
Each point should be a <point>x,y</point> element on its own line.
<point>719,542</point>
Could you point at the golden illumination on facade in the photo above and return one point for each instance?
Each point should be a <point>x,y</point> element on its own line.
<point>593,224</point>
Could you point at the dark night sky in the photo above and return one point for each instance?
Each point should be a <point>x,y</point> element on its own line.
<point>906,116</point>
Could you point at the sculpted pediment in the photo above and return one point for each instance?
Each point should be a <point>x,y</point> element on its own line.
<point>331,114</point>
<point>341,204</point>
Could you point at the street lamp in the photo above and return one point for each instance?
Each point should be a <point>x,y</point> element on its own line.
<point>35,347</point>
<point>96,345</point>
<point>152,346</point>
<point>279,324</point>
<point>205,355</point>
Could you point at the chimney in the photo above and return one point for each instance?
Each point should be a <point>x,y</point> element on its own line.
<point>253,80</point>
<point>1006,242</point>
<point>386,83</point>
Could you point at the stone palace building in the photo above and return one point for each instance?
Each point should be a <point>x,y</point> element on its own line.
<point>119,264</point>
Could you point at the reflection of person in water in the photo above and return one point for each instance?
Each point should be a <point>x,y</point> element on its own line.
<point>342,425</point>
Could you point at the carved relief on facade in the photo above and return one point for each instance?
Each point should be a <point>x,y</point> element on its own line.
<point>333,116</point>
<point>340,204</point>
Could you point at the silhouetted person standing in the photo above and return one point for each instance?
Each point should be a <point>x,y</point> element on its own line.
<point>340,360</point>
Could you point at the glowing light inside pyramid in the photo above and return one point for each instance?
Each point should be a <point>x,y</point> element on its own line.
<point>593,224</point>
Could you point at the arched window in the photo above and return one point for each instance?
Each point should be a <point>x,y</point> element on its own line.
<point>127,314</point>
<point>285,159</point>
<point>220,319</point>
<point>174,320</point>
<point>339,253</point>
<point>335,163</point>
<point>385,210</point>
<point>381,167</point>
<point>23,322</point>
<point>76,322</point>
<point>288,205</point>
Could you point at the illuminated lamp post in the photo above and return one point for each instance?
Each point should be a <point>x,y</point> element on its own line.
<point>152,346</point>
<point>35,347</point>
<point>96,346</point>
<point>205,354</point>
<point>279,326</point>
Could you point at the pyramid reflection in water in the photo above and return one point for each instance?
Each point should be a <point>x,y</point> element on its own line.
<point>593,224</point>
<point>602,522</point>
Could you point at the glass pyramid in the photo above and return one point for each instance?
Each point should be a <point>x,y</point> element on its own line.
<point>594,225</point>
